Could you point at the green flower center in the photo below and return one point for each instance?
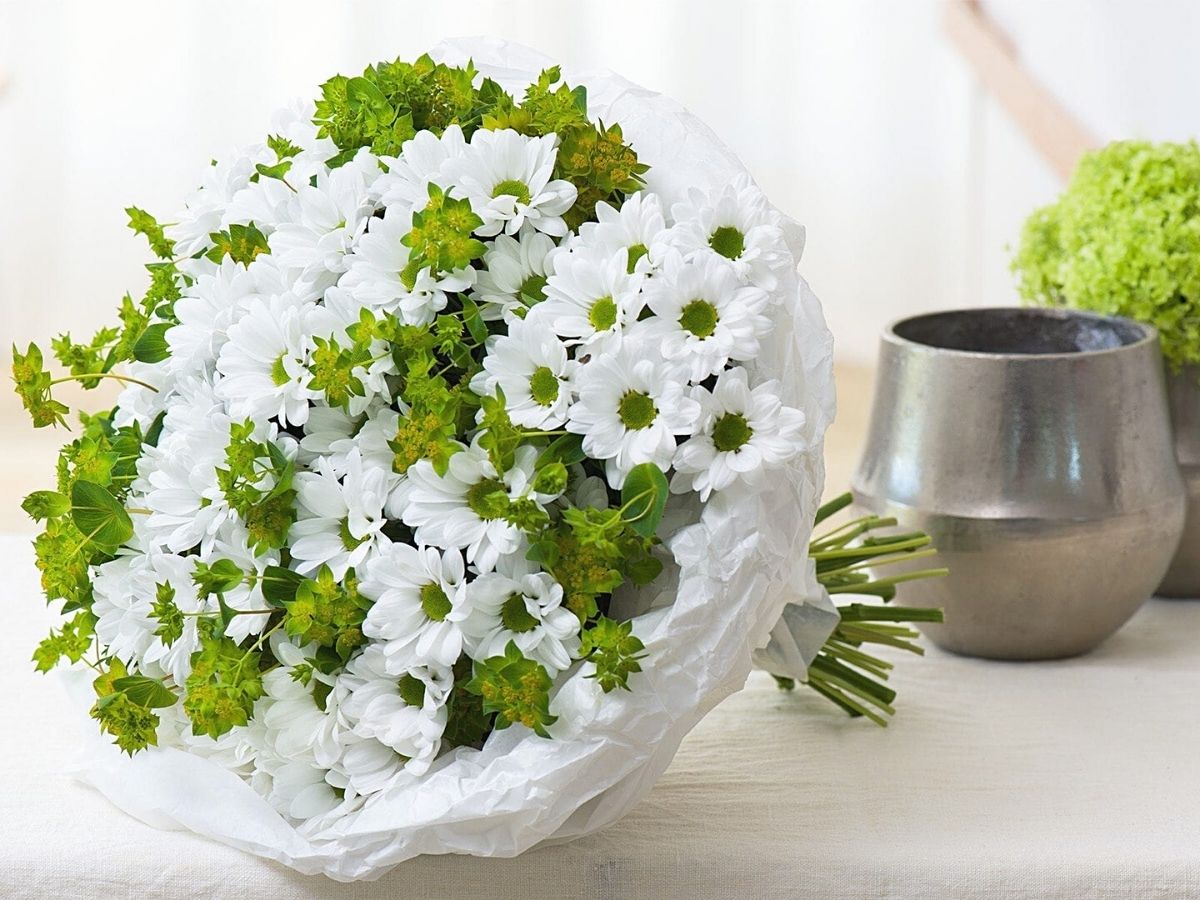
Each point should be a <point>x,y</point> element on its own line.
<point>699,317</point>
<point>435,603</point>
<point>636,252</point>
<point>731,432</point>
<point>487,498</point>
<point>728,241</point>
<point>349,541</point>
<point>412,690</point>
<point>511,187</point>
<point>533,287</point>
<point>543,386</point>
<point>636,410</point>
<point>603,314</point>
<point>515,617</point>
<point>279,374</point>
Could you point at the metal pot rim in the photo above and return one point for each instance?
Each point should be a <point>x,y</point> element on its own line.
<point>1148,334</point>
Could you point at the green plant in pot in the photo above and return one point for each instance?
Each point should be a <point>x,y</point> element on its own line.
<point>1124,240</point>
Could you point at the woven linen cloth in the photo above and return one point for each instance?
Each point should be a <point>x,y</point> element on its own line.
<point>1068,779</point>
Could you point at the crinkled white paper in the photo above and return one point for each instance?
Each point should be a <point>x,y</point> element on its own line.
<point>738,568</point>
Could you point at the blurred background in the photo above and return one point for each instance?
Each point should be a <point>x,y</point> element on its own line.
<point>911,137</point>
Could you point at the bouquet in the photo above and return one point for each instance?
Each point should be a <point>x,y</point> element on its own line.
<point>469,445</point>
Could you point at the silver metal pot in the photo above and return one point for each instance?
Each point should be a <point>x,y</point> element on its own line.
<point>1183,390</point>
<point>1034,447</point>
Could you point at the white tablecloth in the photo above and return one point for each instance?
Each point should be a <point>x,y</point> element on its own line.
<point>1073,779</point>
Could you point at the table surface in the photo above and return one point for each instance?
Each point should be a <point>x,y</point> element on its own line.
<point>1075,778</point>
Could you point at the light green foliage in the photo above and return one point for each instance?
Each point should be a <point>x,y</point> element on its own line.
<point>241,243</point>
<point>225,682</point>
<point>141,222</point>
<point>257,482</point>
<point>1124,239</point>
<point>615,651</point>
<point>328,613</point>
<point>125,707</point>
<point>516,689</point>
<point>72,641</point>
<point>441,237</point>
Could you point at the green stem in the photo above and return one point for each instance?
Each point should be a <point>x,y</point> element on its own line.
<point>122,378</point>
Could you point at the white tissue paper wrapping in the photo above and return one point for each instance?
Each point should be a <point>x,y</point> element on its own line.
<point>737,569</point>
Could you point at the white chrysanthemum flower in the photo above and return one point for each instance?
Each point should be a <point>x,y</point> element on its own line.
<point>629,410</point>
<point>514,268</point>
<point>126,589</point>
<point>295,788</point>
<point>507,178</point>
<point>458,509</point>
<point>376,273</point>
<point>530,365</point>
<point>420,605</point>
<point>406,711</point>
<point>233,544</point>
<point>177,479</point>
<point>742,434</point>
<point>334,434</point>
<point>263,364</point>
<point>421,163</point>
<point>367,766</point>
<point>204,313</point>
<point>297,726</point>
<point>323,222</point>
<point>737,225</point>
<point>141,405</point>
<point>703,316</point>
<point>341,519</point>
<point>637,227</point>
<point>294,123</point>
<point>205,208</point>
<point>591,298</point>
<point>517,604</point>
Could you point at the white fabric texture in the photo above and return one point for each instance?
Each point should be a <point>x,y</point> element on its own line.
<point>1067,779</point>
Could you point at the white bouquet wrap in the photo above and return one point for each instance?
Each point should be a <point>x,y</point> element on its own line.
<point>734,560</point>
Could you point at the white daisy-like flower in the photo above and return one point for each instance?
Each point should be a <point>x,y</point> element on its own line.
<point>324,220</point>
<point>334,434</point>
<point>420,605</point>
<point>591,298</point>
<point>629,410</point>
<point>514,269</point>
<point>177,479</point>
<point>421,163</point>
<point>703,316</point>
<point>141,405</point>
<point>205,208</point>
<point>297,726</point>
<point>296,788</point>
<point>204,313</point>
<point>366,766</point>
<point>341,518</point>
<point>739,226</point>
<point>507,178</point>
<point>406,711</point>
<point>126,589</point>
<point>263,364</point>
<point>530,365</point>
<point>638,228</point>
<point>294,123</point>
<point>743,433</point>
<point>376,272</point>
<point>518,604</point>
<point>459,508</point>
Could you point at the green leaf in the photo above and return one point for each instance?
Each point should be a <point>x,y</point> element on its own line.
<point>148,692</point>
<point>644,497</point>
<point>99,515</point>
<point>566,449</point>
<point>46,505</point>
<point>152,346</point>
<point>279,585</point>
